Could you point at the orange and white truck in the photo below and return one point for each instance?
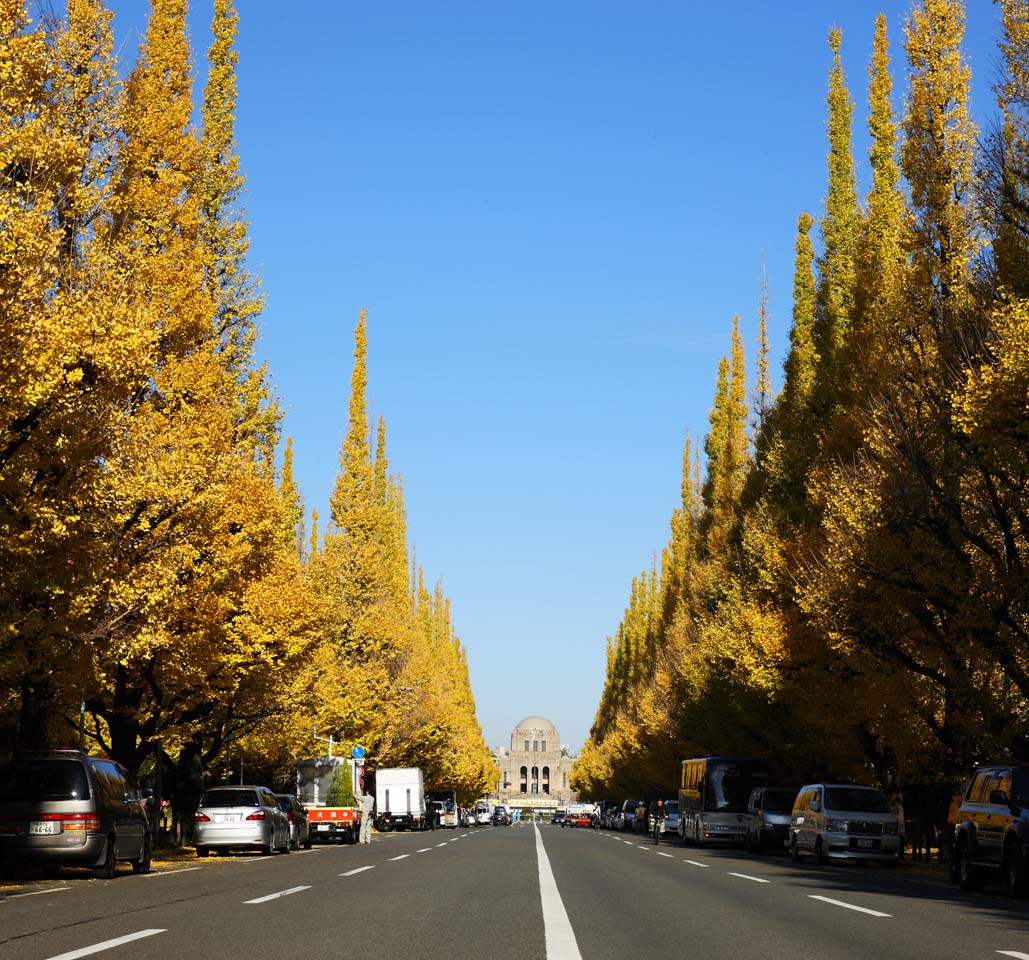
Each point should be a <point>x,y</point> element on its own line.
<point>323,786</point>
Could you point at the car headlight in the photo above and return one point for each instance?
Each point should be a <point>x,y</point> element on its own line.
<point>890,829</point>
<point>836,826</point>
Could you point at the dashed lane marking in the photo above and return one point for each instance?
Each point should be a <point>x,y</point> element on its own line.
<point>747,876</point>
<point>443,844</point>
<point>849,906</point>
<point>106,945</point>
<point>402,856</point>
<point>350,873</point>
<point>660,854</point>
<point>1015,954</point>
<point>697,863</point>
<point>281,893</point>
<point>424,850</point>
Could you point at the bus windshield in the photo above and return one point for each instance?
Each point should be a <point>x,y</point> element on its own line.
<point>727,784</point>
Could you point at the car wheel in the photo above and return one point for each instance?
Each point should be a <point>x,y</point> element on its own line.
<point>1014,870</point>
<point>50,871</point>
<point>265,849</point>
<point>860,863</point>
<point>203,852</point>
<point>890,864</point>
<point>794,849</point>
<point>820,856</point>
<point>969,878</point>
<point>107,870</point>
<point>307,844</point>
<point>142,865</point>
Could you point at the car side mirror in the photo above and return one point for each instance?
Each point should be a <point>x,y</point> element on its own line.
<point>998,796</point>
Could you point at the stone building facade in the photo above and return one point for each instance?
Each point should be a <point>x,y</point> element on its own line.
<point>534,773</point>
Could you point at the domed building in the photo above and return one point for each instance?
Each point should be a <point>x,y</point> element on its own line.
<point>534,772</point>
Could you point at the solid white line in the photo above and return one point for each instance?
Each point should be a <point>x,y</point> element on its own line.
<point>746,876</point>
<point>557,931</point>
<point>33,893</point>
<point>849,906</point>
<point>1015,954</point>
<point>281,893</point>
<point>350,873</point>
<point>697,863</point>
<point>424,850</point>
<point>168,873</point>
<point>402,856</point>
<point>106,945</point>
<point>660,854</point>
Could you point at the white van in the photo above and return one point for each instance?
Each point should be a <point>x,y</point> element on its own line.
<point>843,821</point>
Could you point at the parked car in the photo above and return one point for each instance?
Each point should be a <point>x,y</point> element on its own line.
<point>769,810</point>
<point>501,817</point>
<point>991,833</point>
<point>627,818</point>
<point>482,813</point>
<point>63,808</point>
<point>299,824</point>
<point>240,817</point>
<point>557,817</point>
<point>843,821</point>
<point>578,819</point>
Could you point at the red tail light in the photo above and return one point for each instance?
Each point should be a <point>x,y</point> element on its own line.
<point>80,821</point>
<point>260,815</point>
<point>201,818</point>
<point>289,816</point>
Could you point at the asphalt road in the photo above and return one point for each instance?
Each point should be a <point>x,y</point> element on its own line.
<point>506,893</point>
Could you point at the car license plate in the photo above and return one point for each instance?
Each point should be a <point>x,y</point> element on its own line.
<point>44,828</point>
<point>865,843</point>
<point>323,826</point>
<point>225,818</point>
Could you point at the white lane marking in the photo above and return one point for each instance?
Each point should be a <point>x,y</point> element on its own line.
<point>33,893</point>
<point>424,850</point>
<point>697,863</point>
<point>350,873</point>
<point>443,844</point>
<point>628,842</point>
<point>747,876</point>
<point>168,873</point>
<point>849,906</point>
<point>660,854</point>
<point>402,856</point>
<point>1015,954</point>
<point>281,893</point>
<point>557,931</point>
<point>642,847</point>
<point>106,945</point>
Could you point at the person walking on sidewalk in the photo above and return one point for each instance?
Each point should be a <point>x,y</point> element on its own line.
<point>367,808</point>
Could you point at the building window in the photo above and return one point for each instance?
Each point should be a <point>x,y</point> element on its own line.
<point>526,746</point>
<point>564,781</point>
<point>524,777</point>
<point>546,780</point>
<point>544,747</point>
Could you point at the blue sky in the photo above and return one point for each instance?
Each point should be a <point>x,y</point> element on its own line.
<point>551,212</point>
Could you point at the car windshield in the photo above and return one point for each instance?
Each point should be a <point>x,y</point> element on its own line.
<point>230,798</point>
<point>672,806</point>
<point>779,801</point>
<point>286,803</point>
<point>856,799</point>
<point>44,779</point>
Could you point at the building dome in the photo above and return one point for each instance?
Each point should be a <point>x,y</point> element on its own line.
<point>536,723</point>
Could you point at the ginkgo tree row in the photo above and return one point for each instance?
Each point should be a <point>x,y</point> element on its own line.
<point>156,600</point>
<point>845,586</point>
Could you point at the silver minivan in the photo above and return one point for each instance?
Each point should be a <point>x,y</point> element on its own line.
<point>843,821</point>
<point>243,816</point>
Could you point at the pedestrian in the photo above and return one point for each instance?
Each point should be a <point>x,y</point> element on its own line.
<point>367,813</point>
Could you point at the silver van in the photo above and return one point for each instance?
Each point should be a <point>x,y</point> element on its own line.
<point>62,808</point>
<point>843,821</point>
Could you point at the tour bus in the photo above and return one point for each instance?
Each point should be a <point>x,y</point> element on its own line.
<point>713,795</point>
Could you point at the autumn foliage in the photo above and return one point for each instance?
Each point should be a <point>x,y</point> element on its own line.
<point>845,591</point>
<point>153,563</point>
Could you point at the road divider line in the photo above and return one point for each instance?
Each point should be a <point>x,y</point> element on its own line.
<point>697,863</point>
<point>660,854</point>
<point>350,873</point>
<point>557,930</point>
<point>424,850</point>
<point>167,873</point>
<point>106,945</point>
<point>33,893</point>
<point>628,842</point>
<point>402,856</point>
<point>849,906</point>
<point>748,877</point>
<point>642,847</point>
<point>443,844</point>
<point>1015,954</point>
<point>281,893</point>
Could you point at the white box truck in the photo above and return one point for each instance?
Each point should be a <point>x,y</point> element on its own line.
<point>399,799</point>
